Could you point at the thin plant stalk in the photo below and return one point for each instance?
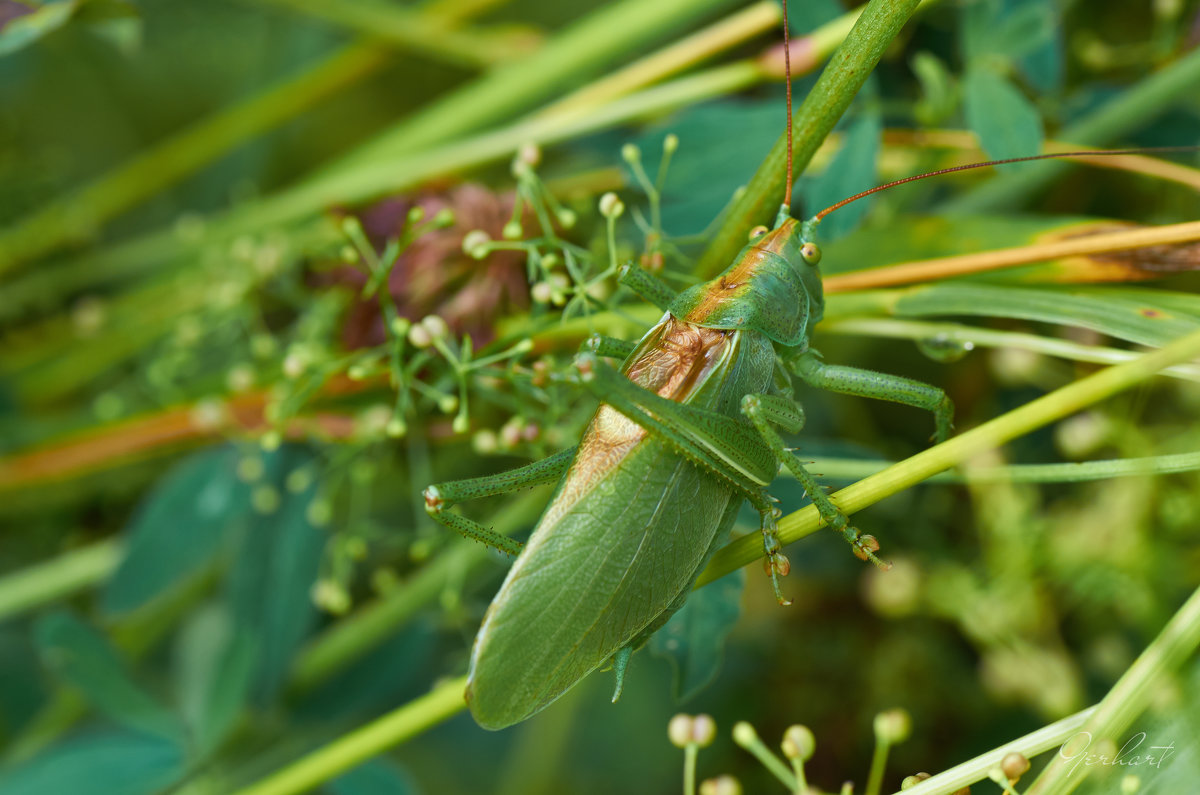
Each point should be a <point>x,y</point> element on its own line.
<point>1046,409</point>
<point>843,76</point>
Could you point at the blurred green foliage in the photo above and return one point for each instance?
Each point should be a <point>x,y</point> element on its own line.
<point>217,368</point>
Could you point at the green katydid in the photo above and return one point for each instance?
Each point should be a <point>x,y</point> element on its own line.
<point>686,432</point>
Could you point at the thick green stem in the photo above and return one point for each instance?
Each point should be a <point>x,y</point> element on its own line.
<point>845,74</point>
<point>1129,697</point>
<point>1032,744</point>
<point>908,473</point>
<point>401,724</point>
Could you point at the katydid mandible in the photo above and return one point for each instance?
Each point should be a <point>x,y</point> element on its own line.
<point>687,431</point>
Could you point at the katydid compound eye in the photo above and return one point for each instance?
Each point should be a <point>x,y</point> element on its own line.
<point>758,231</point>
<point>811,253</point>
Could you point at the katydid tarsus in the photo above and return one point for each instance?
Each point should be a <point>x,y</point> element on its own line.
<point>686,432</point>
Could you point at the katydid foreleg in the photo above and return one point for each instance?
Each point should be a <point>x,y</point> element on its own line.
<point>881,386</point>
<point>441,496</point>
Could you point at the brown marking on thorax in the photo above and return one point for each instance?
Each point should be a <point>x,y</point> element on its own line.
<point>728,286</point>
<point>673,367</point>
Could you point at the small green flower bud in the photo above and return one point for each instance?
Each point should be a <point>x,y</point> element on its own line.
<point>476,243</point>
<point>351,226</point>
<point>319,512</point>
<point>631,154</point>
<point>444,218</point>
<point>704,730</point>
<point>670,143</point>
<point>542,292</point>
<point>721,785</point>
<point>744,734</point>
<point>513,230</point>
<point>1014,765</point>
<point>566,218</point>
<point>448,404</point>
<point>460,424</point>
<point>264,499</point>
<point>419,336</point>
<point>298,480</point>
<point>679,730</point>
<point>396,428</point>
<point>530,154</point>
<point>416,214</point>
<point>911,781</point>
<point>1131,784</point>
<point>798,743</point>
<point>611,206</point>
<point>250,468</point>
<point>437,328</point>
<point>485,442</point>
<point>400,326</point>
<point>893,726</point>
<point>330,596</point>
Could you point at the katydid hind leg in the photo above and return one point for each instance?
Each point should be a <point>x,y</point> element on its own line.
<point>719,444</point>
<point>766,411</point>
<point>441,496</point>
<point>880,386</point>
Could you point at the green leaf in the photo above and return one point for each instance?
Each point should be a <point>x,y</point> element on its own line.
<point>375,777</point>
<point>694,639</point>
<point>214,666</point>
<point>83,658</point>
<point>112,763</point>
<point>276,564</point>
<point>1146,317</point>
<point>1007,124</point>
<point>179,528</point>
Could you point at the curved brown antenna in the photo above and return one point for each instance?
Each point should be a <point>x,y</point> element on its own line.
<point>787,72</point>
<point>1088,153</point>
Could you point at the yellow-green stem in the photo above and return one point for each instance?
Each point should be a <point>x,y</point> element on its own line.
<point>360,745</point>
<point>907,473</point>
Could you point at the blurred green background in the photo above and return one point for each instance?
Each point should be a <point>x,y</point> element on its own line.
<point>222,222</point>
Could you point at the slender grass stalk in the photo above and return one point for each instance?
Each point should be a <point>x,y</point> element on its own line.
<point>1129,697</point>
<point>984,261</point>
<point>1032,744</point>
<point>672,59</point>
<point>847,70</point>
<point>977,337</point>
<point>1056,405</point>
<point>403,723</point>
<point>602,38</point>
<point>79,213</point>
<point>417,31</point>
<point>852,469</point>
<point>58,577</point>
